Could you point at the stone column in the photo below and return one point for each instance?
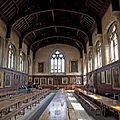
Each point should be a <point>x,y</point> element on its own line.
<point>26,64</point>
<point>80,67</point>
<point>18,59</point>
<point>5,52</point>
<point>33,67</point>
<point>1,50</point>
<point>85,64</point>
<point>90,49</point>
<point>100,39</point>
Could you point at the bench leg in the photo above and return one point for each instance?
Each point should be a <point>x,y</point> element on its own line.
<point>98,112</point>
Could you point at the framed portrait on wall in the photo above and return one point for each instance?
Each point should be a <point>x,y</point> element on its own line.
<point>14,76</point>
<point>72,80</point>
<point>8,79</point>
<point>41,67</point>
<point>103,77</point>
<point>78,80</point>
<point>108,76</point>
<point>64,80</point>
<point>20,78</point>
<point>36,80</point>
<point>116,77</point>
<point>98,77</point>
<point>25,79</point>
<point>30,79</point>
<point>1,79</point>
<point>43,81</point>
<point>50,81</point>
<point>74,66</point>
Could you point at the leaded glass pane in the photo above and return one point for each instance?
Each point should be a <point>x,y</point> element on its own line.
<point>57,62</point>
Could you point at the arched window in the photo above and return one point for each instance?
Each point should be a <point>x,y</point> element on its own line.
<point>98,55</point>
<point>90,61</point>
<point>113,43</point>
<point>57,62</point>
<point>11,56</point>
<point>22,61</point>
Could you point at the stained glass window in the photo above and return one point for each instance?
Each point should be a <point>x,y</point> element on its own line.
<point>57,62</point>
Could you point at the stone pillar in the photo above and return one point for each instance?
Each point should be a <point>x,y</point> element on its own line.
<point>80,67</point>
<point>90,48</point>
<point>1,50</point>
<point>18,59</point>
<point>85,64</point>
<point>100,39</point>
<point>26,64</point>
<point>33,67</point>
<point>105,44</point>
<point>5,52</point>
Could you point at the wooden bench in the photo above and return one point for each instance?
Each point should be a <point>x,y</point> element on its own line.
<point>92,105</point>
<point>71,112</point>
<point>8,93</point>
<point>19,100</point>
<point>21,110</point>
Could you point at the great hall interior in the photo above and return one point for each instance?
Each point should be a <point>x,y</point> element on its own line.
<point>59,59</point>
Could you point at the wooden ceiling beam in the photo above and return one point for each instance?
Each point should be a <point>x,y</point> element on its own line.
<point>26,22</point>
<point>95,6</point>
<point>53,16</point>
<point>16,5</point>
<point>9,9</point>
<point>6,6</point>
<point>81,19</point>
<point>34,33</point>
<point>97,3</point>
<point>10,14</point>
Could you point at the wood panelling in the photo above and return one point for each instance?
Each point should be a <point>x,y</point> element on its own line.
<point>59,81</point>
<point>12,80</point>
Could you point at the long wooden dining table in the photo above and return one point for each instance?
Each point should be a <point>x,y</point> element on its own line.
<point>57,109</point>
<point>104,101</point>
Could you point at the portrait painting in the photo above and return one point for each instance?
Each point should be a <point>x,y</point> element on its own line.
<point>8,79</point>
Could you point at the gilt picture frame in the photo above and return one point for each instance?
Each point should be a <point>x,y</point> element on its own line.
<point>103,77</point>
<point>36,80</point>
<point>8,77</point>
<point>50,81</point>
<point>42,80</point>
<point>64,80</point>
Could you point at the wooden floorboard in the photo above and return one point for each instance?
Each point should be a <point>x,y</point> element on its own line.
<point>57,109</point>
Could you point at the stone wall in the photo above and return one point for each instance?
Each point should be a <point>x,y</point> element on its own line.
<point>12,79</point>
<point>71,53</point>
